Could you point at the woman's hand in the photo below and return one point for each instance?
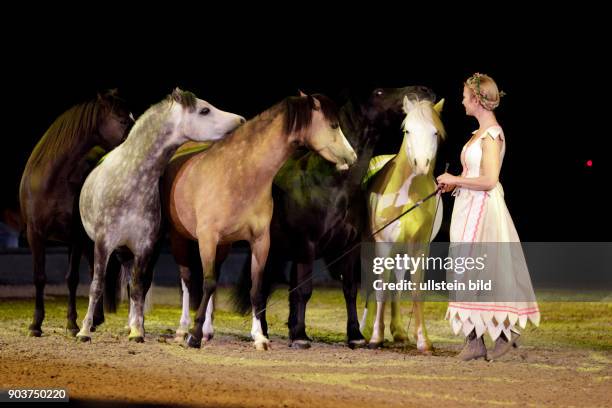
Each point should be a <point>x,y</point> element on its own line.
<point>447,181</point>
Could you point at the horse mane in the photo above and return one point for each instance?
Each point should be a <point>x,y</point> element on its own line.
<point>71,127</point>
<point>298,111</point>
<point>425,111</point>
<point>185,98</point>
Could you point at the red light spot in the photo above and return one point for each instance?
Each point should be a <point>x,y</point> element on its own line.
<point>589,163</point>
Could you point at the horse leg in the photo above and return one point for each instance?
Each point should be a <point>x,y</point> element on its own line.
<point>140,283</point>
<point>301,291</point>
<point>423,343</point>
<point>183,329</point>
<point>349,271</point>
<point>420,332</point>
<point>180,251</point>
<point>208,247</point>
<point>372,324</point>
<point>378,328</point>
<point>101,255</point>
<point>72,279</point>
<point>397,325</point>
<point>98,314</point>
<point>259,254</point>
<point>208,330</point>
<point>185,321</point>
<point>363,323</point>
<point>37,246</point>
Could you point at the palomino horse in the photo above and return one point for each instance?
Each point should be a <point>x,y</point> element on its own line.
<point>119,203</point>
<point>224,194</point>
<point>319,213</point>
<point>51,183</point>
<point>402,180</point>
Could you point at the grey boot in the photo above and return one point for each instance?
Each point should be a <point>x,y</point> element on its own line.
<point>474,348</point>
<point>502,345</point>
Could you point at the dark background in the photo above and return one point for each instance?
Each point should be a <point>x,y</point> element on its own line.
<point>554,115</point>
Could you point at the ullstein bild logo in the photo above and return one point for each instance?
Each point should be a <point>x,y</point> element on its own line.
<point>432,285</point>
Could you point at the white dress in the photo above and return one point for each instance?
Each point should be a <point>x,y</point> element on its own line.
<point>482,216</point>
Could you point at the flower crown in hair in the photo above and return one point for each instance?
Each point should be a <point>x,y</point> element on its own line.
<point>473,83</point>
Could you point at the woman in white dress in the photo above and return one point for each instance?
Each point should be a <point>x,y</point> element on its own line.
<point>480,215</point>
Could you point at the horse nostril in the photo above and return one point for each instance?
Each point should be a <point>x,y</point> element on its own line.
<point>242,121</point>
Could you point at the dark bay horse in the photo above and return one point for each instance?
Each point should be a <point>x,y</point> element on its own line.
<point>51,183</point>
<point>224,194</point>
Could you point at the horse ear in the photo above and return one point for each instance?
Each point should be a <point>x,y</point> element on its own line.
<point>300,93</point>
<point>316,103</point>
<point>177,95</point>
<point>408,104</point>
<point>438,106</point>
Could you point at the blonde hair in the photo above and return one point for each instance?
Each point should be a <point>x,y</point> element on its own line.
<point>485,90</point>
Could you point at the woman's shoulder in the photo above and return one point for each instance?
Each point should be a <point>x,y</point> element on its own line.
<point>494,131</point>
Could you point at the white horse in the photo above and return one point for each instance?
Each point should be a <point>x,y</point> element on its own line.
<point>120,203</point>
<point>399,181</point>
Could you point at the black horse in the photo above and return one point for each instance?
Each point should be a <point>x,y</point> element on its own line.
<point>50,187</point>
<point>321,213</point>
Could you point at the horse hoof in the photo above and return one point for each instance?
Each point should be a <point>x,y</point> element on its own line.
<point>136,339</point>
<point>180,337</point>
<point>354,344</point>
<point>35,333</point>
<point>375,345</point>
<point>192,342</point>
<point>300,344</point>
<point>400,338</point>
<point>262,346</point>
<point>207,337</point>
<point>92,329</point>
<point>427,350</point>
<point>72,332</point>
<point>83,338</point>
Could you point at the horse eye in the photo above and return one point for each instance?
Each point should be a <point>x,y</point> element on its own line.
<point>378,92</point>
<point>204,111</point>
<point>335,126</point>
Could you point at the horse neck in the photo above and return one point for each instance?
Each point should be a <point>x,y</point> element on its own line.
<point>401,169</point>
<point>267,151</point>
<point>72,161</point>
<point>354,125</point>
<point>152,142</point>
<point>362,136</point>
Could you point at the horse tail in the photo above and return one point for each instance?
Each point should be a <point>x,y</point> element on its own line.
<point>124,288</point>
<point>272,275</point>
<point>148,304</point>
<point>124,282</point>
<point>112,285</point>
<point>157,248</point>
